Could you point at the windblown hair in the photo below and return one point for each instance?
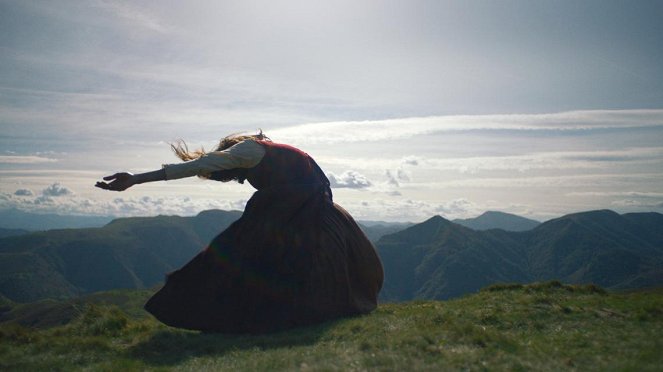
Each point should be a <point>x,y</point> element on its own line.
<point>181,150</point>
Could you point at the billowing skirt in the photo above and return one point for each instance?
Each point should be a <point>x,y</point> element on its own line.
<point>294,258</point>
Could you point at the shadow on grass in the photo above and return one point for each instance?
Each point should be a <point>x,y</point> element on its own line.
<point>172,346</point>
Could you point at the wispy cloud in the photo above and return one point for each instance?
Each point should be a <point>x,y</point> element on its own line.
<point>563,160</point>
<point>626,199</point>
<point>392,129</point>
<point>638,203</point>
<point>605,180</point>
<point>544,160</point>
<point>638,194</point>
<point>88,12</point>
<point>132,14</point>
<point>17,159</point>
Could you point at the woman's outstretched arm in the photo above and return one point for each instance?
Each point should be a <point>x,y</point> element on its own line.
<point>124,180</point>
<point>245,154</point>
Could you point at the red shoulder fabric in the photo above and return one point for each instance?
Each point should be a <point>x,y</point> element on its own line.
<point>282,165</point>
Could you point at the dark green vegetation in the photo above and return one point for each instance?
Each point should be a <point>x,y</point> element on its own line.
<point>498,220</point>
<point>126,253</point>
<point>547,326</point>
<point>438,259</point>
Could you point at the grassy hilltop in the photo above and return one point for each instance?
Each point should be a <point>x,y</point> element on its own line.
<point>545,326</point>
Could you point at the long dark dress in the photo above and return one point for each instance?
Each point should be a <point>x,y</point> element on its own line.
<point>294,258</point>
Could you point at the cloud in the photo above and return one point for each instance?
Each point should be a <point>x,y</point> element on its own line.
<point>535,182</point>
<point>23,192</point>
<point>56,190</point>
<point>15,159</point>
<point>637,194</point>
<point>128,14</point>
<point>456,207</point>
<point>627,200</point>
<point>175,205</point>
<point>638,203</point>
<point>349,179</point>
<point>119,207</point>
<point>44,200</point>
<point>563,160</point>
<point>545,160</point>
<point>395,177</point>
<point>133,15</point>
<point>411,160</point>
<point>392,129</point>
<point>413,210</point>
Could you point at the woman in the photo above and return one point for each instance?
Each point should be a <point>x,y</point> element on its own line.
<point>293,258</point>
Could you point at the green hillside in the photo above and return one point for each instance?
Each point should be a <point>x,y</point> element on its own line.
<point>548,327</point>
<point>126,253</point>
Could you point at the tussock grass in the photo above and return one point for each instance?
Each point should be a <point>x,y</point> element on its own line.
<point>543,326</point>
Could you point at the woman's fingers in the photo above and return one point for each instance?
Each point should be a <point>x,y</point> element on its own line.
<point>108,178</point>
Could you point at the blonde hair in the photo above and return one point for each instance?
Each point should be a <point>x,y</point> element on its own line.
<point>239,174</point>
<point>181,150</point>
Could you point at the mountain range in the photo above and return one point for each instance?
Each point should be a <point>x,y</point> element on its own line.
<point>435,259</point>
<point>439,259</point>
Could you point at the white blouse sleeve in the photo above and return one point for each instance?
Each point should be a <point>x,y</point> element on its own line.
<point>246,154</point>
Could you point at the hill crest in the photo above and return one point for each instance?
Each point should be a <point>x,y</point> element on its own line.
<point>498,220</point>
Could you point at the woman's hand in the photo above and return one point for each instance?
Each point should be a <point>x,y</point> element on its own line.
<point>119,182</point>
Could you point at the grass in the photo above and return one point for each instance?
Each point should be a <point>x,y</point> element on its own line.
<point>545,326</point>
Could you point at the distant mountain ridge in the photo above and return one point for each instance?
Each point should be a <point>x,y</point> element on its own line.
<point>435,259</point>
<point>438,259</point>
<point>498,220</point>
<point>16,219</point>
<point>375,230</point>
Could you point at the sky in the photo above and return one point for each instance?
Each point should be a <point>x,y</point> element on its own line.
<point>412,108</point>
